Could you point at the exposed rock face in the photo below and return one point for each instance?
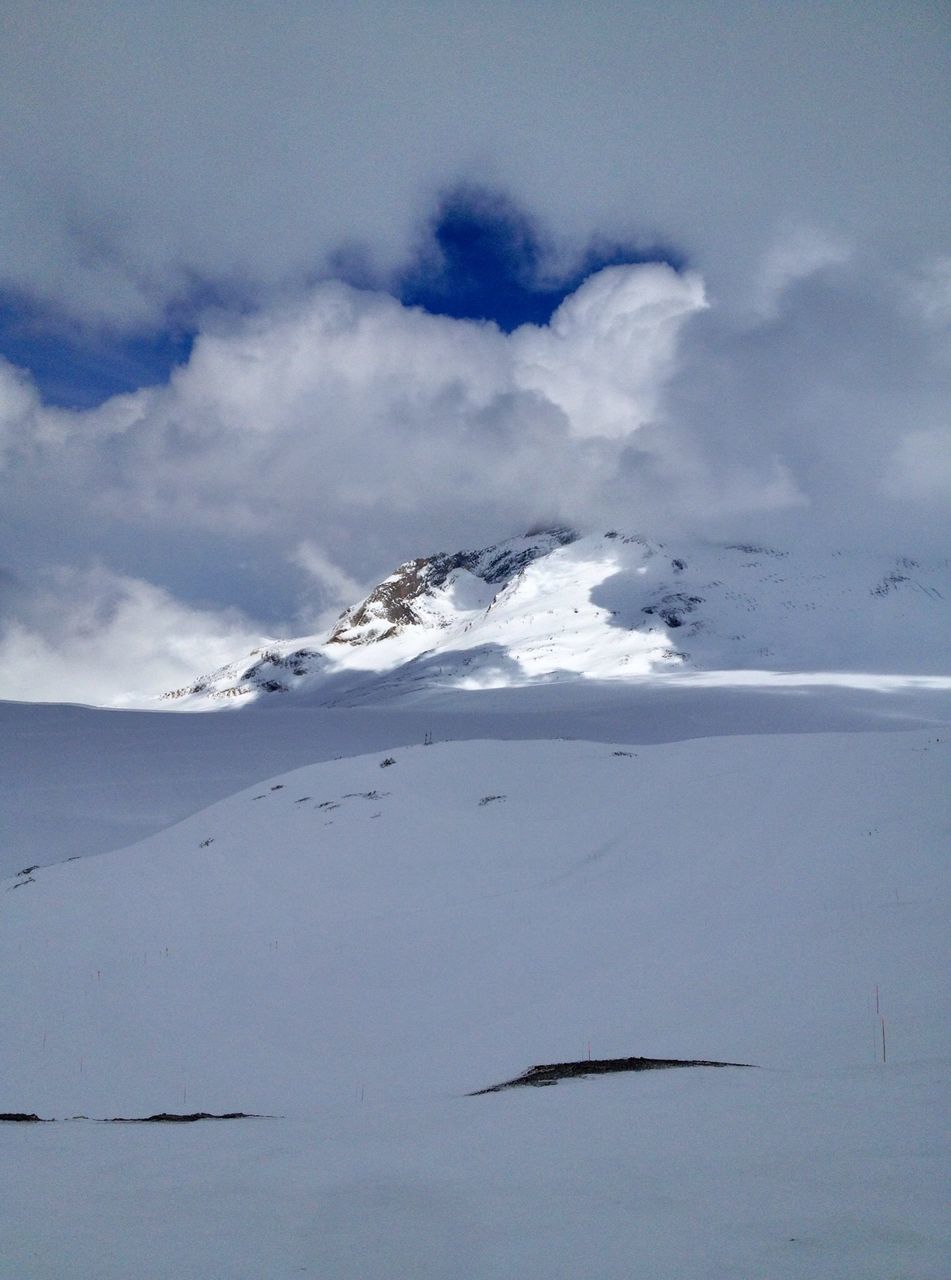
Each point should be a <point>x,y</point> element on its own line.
<point>673,606</point>
<point>551,1073</point>
<point>390,606</point>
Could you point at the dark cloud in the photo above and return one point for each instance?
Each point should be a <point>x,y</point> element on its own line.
<point>832,386</point>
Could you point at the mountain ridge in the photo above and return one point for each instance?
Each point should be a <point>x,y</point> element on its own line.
<point>557,604</point>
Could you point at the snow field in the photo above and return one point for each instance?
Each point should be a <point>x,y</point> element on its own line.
<point>396,930</point>
<point>359,946</point>
<point>693,1174</point>
<point>80,780</point>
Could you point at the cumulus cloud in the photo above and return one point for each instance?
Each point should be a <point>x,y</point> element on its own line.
<point>828,386</point>
<point>606,354</point>
<point>352,422</point>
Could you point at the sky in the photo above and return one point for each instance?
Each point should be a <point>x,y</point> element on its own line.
<point>289,294</point>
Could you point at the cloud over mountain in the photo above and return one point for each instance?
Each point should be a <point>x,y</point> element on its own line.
<point>307,449</point>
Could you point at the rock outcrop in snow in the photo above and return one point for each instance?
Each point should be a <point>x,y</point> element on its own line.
<point>410,596</point>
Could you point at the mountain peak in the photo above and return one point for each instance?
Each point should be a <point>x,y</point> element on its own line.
<point>554,605</point>
<point>389,608</point>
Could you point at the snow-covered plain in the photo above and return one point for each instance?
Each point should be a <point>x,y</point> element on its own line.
<point>359,946</point>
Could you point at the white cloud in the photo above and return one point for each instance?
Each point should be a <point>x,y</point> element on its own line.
<point>929,291</point>
<point>100,637</point>
<point>336,589</point>
<point>610,346</point>
<point>19,408</point>
<point>347,418</point>
<point>355,423</point>
<point>370,431</point>
<point>921,466</point>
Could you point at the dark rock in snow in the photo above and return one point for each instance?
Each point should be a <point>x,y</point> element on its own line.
<point>553,1072</point>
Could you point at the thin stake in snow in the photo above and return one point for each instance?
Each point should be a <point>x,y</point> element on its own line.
<point>884,1058</point>
<point>876,1023</point>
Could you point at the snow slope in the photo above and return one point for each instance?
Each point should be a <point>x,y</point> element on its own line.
<point>354,947</point>
<point>554,606</point>
<point>82,780</point>
<point>445,920</point>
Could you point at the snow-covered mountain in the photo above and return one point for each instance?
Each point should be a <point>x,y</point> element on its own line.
<point>554,605</point>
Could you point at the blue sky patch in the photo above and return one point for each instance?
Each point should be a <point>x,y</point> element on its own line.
<point>484,259</point>
<point>76,370</point>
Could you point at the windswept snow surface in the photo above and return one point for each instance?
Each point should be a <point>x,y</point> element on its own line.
<point>353,947</point>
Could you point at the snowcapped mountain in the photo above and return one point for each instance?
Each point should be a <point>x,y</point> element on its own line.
<point>555,606</point>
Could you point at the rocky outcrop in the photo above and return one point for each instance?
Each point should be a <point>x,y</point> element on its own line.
<point>390,607</point>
